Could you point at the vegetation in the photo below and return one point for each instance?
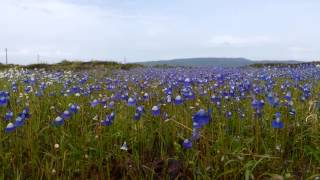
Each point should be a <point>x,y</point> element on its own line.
<point>79,65</point>
<point>65,122</point>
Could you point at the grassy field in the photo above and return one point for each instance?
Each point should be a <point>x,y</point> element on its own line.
<point>211,123</point>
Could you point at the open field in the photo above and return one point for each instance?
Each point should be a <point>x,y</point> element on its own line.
<point>137,122</point>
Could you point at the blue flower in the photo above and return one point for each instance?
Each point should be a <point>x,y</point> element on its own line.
<point>28,89</point>
<point>131,102</point>
<point>288,96</point>
<point>214,98</point>
<point>103,102</point>
<point>277,124</point>
<point>75,89</point>
<point>19,121</point>
<point>187,144</point>
<point>228,114</point>
<point>276,102</point>
<point>257,104</point>
<point>137,116</point>
<point>155,110</point>
<point>74,108</point>
<point>10,128</point>
<point>14,87</point>
<point>146,96</point>
<point>8,115</point>
<point>3,101</point>
<point>66,114</point>
<point>189,95</point>
<point>125,96</point>
<point>110,87</point>
<point>168,90</point>
<point>26,81</point>
<point>140,109</point>
<point>187,82</point>
<point>111,104</point>
<point>108,121</point>
<point>42,86</point>
<point>25,113</point>
<point>178,100</point>
<point>58,121</point>
<point>196,125</point>
<point>270,98</point>
<point>111,116</point>
<point>94,103</point>
<point>261,104</point>
<point>201,118</point>
<point>254,104</point>
<point>4,93</point>
<point>98,87</point>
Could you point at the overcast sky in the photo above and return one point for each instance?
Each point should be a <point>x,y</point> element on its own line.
<point>143,30</point>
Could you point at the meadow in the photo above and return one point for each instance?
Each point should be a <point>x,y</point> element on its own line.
<point>160,123</point>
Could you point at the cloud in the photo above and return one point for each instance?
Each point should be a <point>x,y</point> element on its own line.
<point>58,29</point>
<point>99,29</point>
<point>230,40</point>
<point>296,49</point>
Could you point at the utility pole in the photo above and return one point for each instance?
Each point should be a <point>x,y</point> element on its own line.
<point>124,60</point>
<point>6,56</point>
<point>38,58</point>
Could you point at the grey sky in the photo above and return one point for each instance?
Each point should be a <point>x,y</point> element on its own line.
<point>152,30</point>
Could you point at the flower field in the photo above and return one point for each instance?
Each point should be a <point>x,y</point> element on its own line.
<point>160,123</point>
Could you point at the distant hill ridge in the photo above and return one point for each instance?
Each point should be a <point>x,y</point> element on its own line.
<point>216,62</point>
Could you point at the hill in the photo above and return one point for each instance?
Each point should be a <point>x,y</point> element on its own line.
<point>216,62</point>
